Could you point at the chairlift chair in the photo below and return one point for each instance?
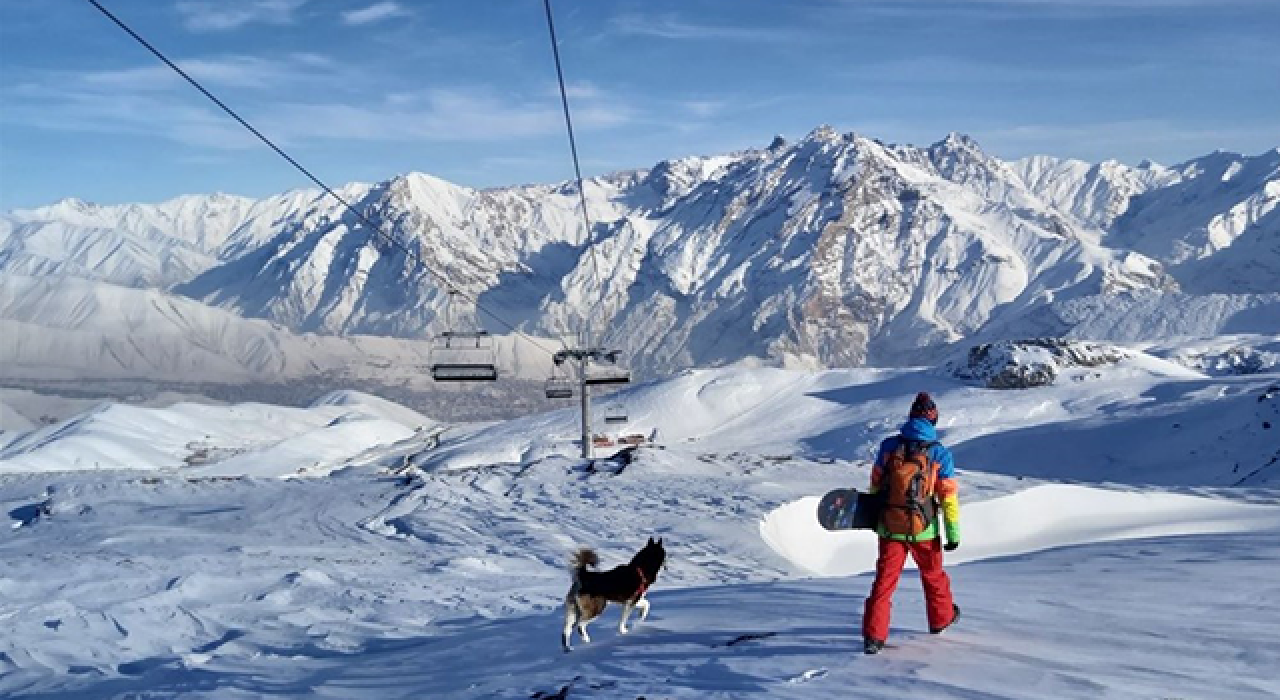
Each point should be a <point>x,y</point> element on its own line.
<point>559,388</point>
<point>464,357</point>
<point>599,373</point>
<point>559,384</point>
<point>614,415</point>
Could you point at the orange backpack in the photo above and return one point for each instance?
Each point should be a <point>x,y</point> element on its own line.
<point>907,484</point>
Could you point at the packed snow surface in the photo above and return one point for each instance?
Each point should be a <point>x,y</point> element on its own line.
<point>1113,544</point>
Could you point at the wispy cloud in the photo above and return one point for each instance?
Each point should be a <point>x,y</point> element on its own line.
<point>580,90</point>
<point>1114,4</point>
<point>224,15</point>
<point>703,109</point>
<point>1133,4</point>
<point>374,13</point>
<point>1129,140</point>
<point>74,109</point>
<point>237,71</point>
<point>959,70</point>
<point>1014,10</point>
<point>438,115</point>
<point>669,26</point>
<point>151,101</point>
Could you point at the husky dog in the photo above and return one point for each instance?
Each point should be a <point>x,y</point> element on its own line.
<point>593,590</point>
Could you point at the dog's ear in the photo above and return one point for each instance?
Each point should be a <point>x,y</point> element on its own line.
<point>659,541</point>
<point>651,540</point>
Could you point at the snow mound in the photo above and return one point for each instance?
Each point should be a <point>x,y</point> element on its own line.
<point>1027,363</point>
<point>315,452</point>
<point>1039,518</point>
<point>202,440</point>
<point>376,407</point>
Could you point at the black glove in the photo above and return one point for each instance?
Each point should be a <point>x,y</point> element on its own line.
<point>951,546</point>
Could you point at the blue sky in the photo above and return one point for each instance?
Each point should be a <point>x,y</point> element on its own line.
<point>366,89</point>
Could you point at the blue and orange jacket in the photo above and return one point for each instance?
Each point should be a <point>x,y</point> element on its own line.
<point>945,487</point>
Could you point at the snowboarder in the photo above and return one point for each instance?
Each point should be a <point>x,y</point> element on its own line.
<point>914,474</point>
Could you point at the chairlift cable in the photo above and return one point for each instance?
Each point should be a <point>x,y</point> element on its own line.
<point>577,170</point>
<point>376,228</point>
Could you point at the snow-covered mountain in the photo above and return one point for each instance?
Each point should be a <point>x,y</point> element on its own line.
<point>1095,194</point>
<point>837,247</point>
<point>70,328</point>
<point>835,250</point>
<point>147,245</point>
<point>1212,220</point>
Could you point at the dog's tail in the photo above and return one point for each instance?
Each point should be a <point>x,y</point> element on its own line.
<point>582,560</point>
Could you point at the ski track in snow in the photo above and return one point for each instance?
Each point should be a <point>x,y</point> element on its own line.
<point>363,580</point>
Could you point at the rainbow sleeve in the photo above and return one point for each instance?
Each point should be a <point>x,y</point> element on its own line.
<point>948,494</point>
<point>948,490</point>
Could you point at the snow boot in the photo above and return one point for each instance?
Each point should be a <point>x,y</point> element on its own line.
<point>872,646</point>
<point>954,617</point>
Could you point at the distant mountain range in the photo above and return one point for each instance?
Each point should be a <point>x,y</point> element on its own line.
<point>835,250</point>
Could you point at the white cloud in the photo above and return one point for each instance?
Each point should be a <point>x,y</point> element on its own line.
<point>1132,4</point>
<point>672,27</point>
<point>154,102</point>
<point>936,11</point>
<point>238,71</point>
<point>1127,140</point>
<point>577,91</point>
<point>581,91</point>
<point>374,13</point>
<point>436,115</point>
<point>1071,4</point>
<point>703,108</point>
<point>223,15</point>
<point>116,112</point>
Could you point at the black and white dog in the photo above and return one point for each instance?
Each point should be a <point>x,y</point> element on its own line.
<point>593,590</point>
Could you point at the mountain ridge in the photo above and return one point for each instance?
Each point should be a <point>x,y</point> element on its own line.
<point>833,250</point>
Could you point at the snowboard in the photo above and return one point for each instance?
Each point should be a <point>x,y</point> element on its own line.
<point>848,509</point>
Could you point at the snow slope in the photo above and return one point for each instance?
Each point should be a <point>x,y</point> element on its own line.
<point>1201,431</point>
<point>428,560</point>
<point>292,599</point>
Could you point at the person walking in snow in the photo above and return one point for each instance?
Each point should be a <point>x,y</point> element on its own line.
<point>914,474</point>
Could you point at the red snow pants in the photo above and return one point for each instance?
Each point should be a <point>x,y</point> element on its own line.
<point>937,587</point>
